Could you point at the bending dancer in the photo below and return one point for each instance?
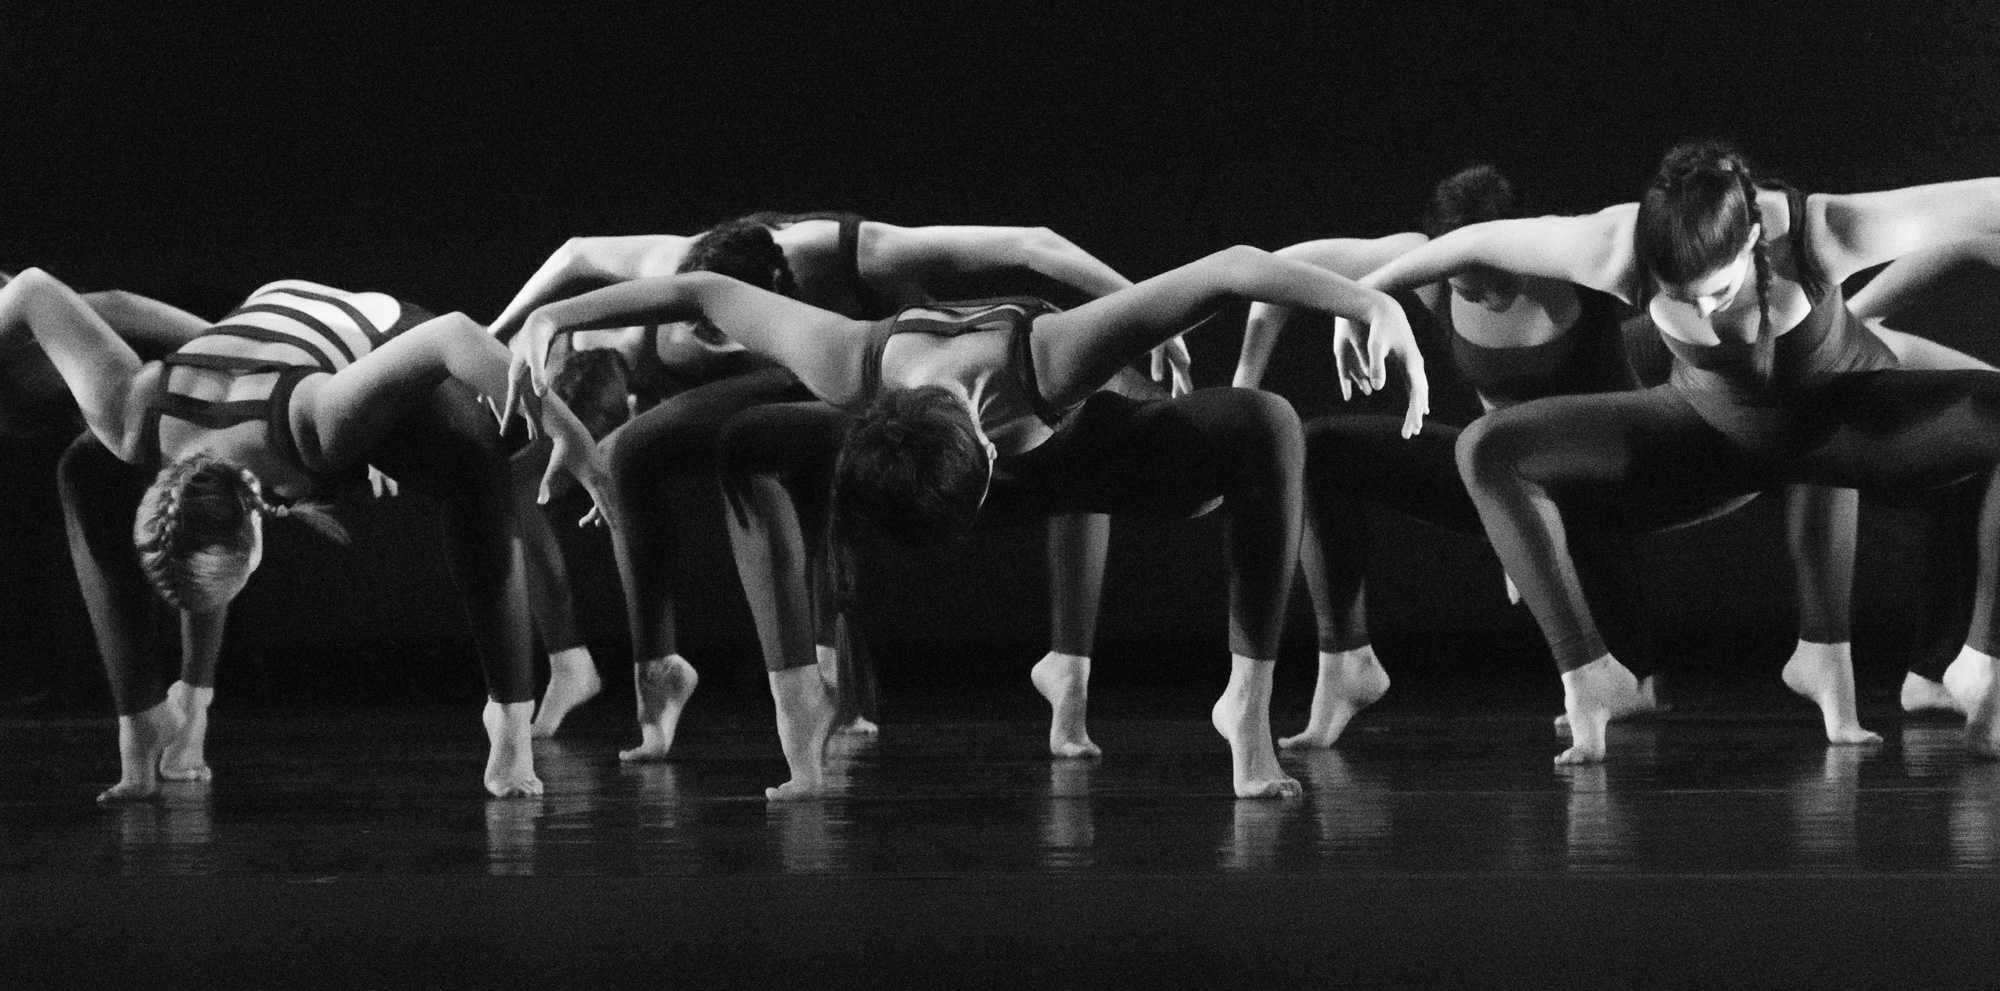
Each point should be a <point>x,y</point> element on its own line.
<point>990,414</point>
<point>861,269</point>
<point>1773,383</point>
<point>1516,338</point>
<point>296,387</point>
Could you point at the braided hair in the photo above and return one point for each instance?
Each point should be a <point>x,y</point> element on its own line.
<point>1693,219</point>
<point>194,534</point>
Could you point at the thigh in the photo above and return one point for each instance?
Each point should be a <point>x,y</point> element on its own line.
<point>680,432</point>
<point>1367,457</point>
<point>1893,430</point>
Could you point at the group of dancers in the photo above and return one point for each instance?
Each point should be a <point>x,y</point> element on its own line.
<point>1640,368</point>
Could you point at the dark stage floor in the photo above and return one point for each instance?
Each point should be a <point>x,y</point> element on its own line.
<point>1724,845</point>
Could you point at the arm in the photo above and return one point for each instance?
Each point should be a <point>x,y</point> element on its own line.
<point>99,367</point>
<point>912,254</point>
<point>1593,250</point>
<point>915,254</point>
<point>1856,231</point>
<point>1913,274</point>
<point>587,262</point>
<point>150,326</point>
<point>1348,257</point>
<point>1084,346</point>
<point>824,349</point>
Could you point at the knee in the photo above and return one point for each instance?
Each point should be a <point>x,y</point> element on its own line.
<point>1266,423</point>
<point>1490,448</point>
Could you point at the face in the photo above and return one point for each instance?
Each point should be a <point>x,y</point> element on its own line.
<point>1719,287</point>
<point>1486,288</point>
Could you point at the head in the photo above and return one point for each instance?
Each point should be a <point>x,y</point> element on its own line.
<point>1698,233</point>
<point>915,465</point>
<point>744,250</point>
<point>597,386</point>
<point>200,531</point>
<point>1475,195</point>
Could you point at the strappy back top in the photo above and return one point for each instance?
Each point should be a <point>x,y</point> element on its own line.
<point>1013,314</point>
<point>283,333</point>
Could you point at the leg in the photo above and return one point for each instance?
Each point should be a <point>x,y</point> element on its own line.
<point>676,437</point>
<point>767,456</point>
<point>99,495</point>
<point>1172,457</point>
<point>1948,559</point>
<point>449,450</point>
<point>1515,461</point>
<point>573,678</point>
<point>1352,461</point>
<point>1820,525</point>
<point>1076,549</point>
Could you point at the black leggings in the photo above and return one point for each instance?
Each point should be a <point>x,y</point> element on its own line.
<point>1881,431</point>
<point>447,448</point>
<point>1114,455</point>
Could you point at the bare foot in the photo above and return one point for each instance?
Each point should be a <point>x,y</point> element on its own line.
<point>1064,679</point>
<point>510,758</point>
<point>573,680</point>
<point>142,737</point>
<point>1591,694</point>
<point>1243,716</point>
<point>1824,673</point>
<point>1643,705</point>
<point>184,757</point>
<point>1920,694</point>
<point>1349,681</point>
<point>806,707</point>
<point>1971,681</point>
<point>663,689</point>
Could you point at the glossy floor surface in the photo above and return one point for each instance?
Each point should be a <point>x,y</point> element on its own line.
<point>1723,845</point>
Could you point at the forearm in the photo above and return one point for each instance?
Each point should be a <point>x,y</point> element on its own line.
<point>1910,276</point>
<point>1260,338</point>
<point>155,327</point>
<point>1057,257</point>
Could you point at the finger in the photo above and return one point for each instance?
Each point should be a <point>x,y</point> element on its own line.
<point>1159,365</point>
<point>593,518</point>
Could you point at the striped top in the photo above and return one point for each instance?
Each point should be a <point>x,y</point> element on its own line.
<point>285,332</point>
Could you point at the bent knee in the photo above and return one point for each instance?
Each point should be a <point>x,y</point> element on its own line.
<point>1492,445</point>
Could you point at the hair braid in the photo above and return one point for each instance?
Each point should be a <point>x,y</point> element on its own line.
<point>1765,354</point>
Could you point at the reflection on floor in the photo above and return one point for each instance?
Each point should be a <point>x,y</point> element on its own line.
<point>1727,816</point>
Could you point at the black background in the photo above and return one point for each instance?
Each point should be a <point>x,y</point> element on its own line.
<point>441,152</point>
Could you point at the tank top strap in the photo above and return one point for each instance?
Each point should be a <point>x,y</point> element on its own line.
<point>1811,275</point>
<point>850,263</point>
<point>1021,350</point>
<point>871,357</point>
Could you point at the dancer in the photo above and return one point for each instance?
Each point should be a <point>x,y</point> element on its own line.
<point>693,379</point>
<point>296,387</point>
<point>1773,382</point>
<point>990,414</point>
<point>1517,338</point>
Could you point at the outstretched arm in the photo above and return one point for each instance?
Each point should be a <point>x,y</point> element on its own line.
<point>1593,250</point>
<point>1083,347</point>
<point>99,367</point>
<point>915,254</point>
<point>353,407</point>
<point>152,328</point>
<point>1855,231</point>
<point>584,263</point>
<point>1349,257</point>
<point>824,349</point>
<point>1910,276</point>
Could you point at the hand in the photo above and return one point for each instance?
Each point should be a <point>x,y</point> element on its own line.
<point>1173,356</point>
<point>522,397</point>
<point>382,484</point>
<point>1350,362</point>
<point>1513,590</point>
<point>573,451</point>
<point>1389,335</point>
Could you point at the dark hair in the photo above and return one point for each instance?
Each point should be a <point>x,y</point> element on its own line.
<point>193,530</point>
<point>744,250</point>
<point>1472,195</point>
<point>912,464</point>
<point>1693,218</point>
<point>596,385</point>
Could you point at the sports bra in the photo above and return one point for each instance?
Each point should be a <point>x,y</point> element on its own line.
<point>1586,357</point>
<point>1013,314</point>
